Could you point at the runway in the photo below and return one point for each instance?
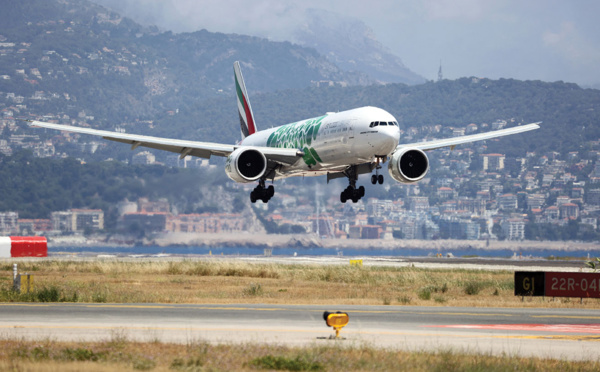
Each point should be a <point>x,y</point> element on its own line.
<point>572,334</point>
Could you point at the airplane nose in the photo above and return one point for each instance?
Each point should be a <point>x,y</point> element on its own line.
<point>389,140</point>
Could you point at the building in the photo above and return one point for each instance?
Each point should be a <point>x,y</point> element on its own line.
<point>77,220</point>
<point>535,201</point>
<point>471,128</point>
<point>445,193</point>
<point>591,221</point>
<point>63,221</point>
<point>34,226</point>
<point>365,232</point>
<point>569,210</point>
<point>593,197</point>
<point>144,158</point>
<point>207,223</point>
<point>560,200</point>
<point>376,207</point>
<point>9,222</point>
<point>145,221</point>
<point>160,206</point>
<point>551,214</point>
<point>475,206</point>
<point>507,202</point>
<point>513,228</point>
<point>418,203</point>
<point>493,162</point>
<point>323,225</point>
<point>88,219</point>
<point>455,228</point>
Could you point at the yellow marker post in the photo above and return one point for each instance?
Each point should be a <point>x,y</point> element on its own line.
<point>356,263</point>
<point>26,283</point>
<point>336,320</point>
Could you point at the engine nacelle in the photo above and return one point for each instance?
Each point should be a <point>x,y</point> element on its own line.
<point>408,165</point>
<point>246,165</point>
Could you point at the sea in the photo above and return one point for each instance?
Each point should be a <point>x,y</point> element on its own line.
<point>317,251</point>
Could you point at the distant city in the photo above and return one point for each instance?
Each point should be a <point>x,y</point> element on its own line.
<point>473,195</point>
<point>470,193</point>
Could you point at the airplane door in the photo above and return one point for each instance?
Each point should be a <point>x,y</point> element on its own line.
<point>348,136</point>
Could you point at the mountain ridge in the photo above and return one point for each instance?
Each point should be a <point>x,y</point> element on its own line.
<point>77,41</point>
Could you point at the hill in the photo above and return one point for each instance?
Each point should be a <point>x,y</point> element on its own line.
<point>570,114</point>
<point>117,69</point>
<point>75,62</point>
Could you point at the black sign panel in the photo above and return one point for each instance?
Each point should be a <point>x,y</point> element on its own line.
<point>529,283</point>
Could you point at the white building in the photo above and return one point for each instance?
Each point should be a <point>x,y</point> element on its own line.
<point>513,228</point>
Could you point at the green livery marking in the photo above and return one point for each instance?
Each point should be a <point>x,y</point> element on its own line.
<point>298,135</point>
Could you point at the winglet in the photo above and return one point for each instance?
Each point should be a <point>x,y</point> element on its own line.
<point>244,109</point>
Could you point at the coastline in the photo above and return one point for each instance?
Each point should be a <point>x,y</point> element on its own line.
<point>312,240</point>
<point>300,241</point>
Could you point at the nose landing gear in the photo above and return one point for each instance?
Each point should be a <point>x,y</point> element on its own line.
<point>378,178</point>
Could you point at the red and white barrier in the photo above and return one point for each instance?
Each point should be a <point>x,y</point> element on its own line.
<point>23,246</point>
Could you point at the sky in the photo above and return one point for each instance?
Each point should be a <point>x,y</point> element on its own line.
<point>547,40</point>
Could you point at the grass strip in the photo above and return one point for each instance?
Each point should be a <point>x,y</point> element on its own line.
<point>198,355</point>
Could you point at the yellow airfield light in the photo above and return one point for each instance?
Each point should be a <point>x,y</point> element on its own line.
<point>337,321</point>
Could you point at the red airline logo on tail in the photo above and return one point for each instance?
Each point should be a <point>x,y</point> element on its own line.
<point>244,108</point>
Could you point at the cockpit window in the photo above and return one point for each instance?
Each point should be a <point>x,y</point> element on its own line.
<point>385,123</point>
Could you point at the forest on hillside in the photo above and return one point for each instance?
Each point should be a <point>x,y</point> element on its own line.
<point>570,115</point>
<point>38,186</point>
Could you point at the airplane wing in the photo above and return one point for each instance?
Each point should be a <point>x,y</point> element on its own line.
<point>451,142</point>
<point>182,147</point>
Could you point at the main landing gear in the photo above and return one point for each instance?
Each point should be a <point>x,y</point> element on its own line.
<point>261,192</point>
<point>352,192</point>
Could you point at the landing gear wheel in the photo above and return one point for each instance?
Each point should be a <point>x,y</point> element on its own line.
<point>373,179</point>
<point>352,192</point>
<point>380,179</point>
<point>261,192</point>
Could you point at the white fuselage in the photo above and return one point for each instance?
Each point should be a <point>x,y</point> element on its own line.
<point>333,141</point>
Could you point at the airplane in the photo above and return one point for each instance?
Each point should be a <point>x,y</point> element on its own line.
<point>337,144</point>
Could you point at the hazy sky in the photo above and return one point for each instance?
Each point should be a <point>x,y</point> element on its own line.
<point>528,40</point>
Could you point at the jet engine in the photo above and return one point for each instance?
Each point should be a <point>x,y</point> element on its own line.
<point>408,165</point>
<point>246,165</point>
